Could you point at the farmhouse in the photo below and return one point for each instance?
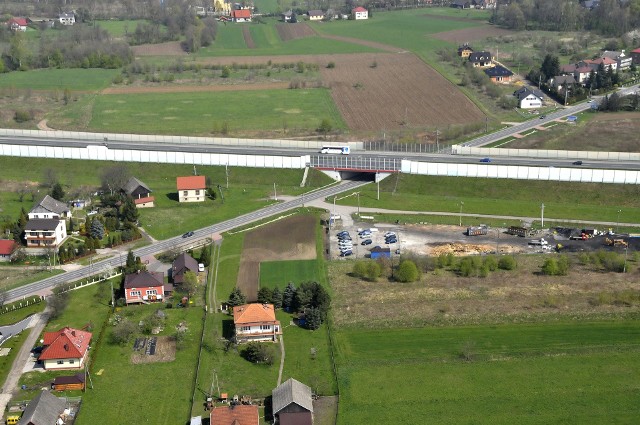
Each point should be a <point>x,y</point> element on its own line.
<point>44,409</point>
<point>292,403</point>
<point>241,15</point>
<point>529,98</point>
<point>7,250</point>
<point>67,18</point>
<point>499,74</point>
<point>191,189</point>
<point>360,13</point>
<point>255,322</point>
<point>143,287</point>
<point>287,16</point>
<point>481,59</point>
<point>464,51</point>
<point>17,24</point>
<point>69,383</point>
<point>235,415</point>
<point>65,349</point>
<point>182,264</point>
<point>140,193</point>
<point>316,15</point>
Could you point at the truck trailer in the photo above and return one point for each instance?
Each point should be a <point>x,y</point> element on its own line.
<point>477,230</point>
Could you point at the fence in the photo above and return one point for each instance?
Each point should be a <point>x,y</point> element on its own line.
<point>355,163</point>
<point>539,153</point>
<point>17,305</point>
<point>384,146</point>
<point>82,284</point>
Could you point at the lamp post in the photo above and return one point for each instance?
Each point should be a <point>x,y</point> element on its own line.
<point>460,222</point>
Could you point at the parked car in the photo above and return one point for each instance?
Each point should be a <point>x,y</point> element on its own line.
<point>346,253</point>
<point>577,162</point>
<point>485,160</point>
<point>345,238</point>
<point>188,234</point>
<point>200,267</point>
<point>386,235</point>
<point>543,117</point>
<point>344,232</point>
<point>342,245</point>
<point>390,241</point>
<point>366,242</point>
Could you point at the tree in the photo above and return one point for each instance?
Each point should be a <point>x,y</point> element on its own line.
<point>57,304</point>
<point>132,265</point>
<point>265,296</point>
<point>18,51</point>
<point>407,272</point>
<point>97,229</point>
<point>129,211</point>
<point>211,193</point>
<point>325,126</point>
<point>189,284</point>
<point>3,296</point>
<point>226,72</point>
<point>57,192</point>
<point>359,269</point>
<point>313,318</point>
<point>507,263</point>
<point>205,255</point>
<point>373,271</point>
<point>276,298</point>
<point>563,265</point>
<point>256,352</point>
<point>236,298</point>
<point>288,296</point>
<point>550,67</point>
<point>123,332</point>
<point>49,177</point>
<point>550,267</point>
<point>114,178</point>
<point>514,17</point>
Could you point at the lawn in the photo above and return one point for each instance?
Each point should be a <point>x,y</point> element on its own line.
<point>278,273</point>
<point>76,79</point>
<point>204,113</point>
<point>581,201</point>
<point>15,316</point>
<point>119,29</point>
<point>537,373</point>
<point>14,344</point>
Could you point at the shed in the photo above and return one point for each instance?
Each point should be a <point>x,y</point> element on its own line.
<point>68,383</point>
<point>378,252</point>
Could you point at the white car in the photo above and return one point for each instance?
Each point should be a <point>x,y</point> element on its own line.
<point>386,235</point>
<point>200,267</point>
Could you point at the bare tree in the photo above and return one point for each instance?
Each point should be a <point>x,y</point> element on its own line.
<point>114,178</point>
<point>49,177</point>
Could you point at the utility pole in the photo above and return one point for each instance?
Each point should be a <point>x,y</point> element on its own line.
<point>358,194</point>
<point>226,172</point>
<point>378,181</point>
<point>618,221</point>
<point>461,204</point>
<point>275,194</point>
<point>542,215</point>
<point>566,93</point>
<point>539,81</point>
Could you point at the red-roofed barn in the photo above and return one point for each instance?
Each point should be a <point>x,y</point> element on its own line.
<point>65,349</point>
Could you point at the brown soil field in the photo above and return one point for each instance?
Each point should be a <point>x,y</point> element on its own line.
<point>612,132</point>
<point>292,238</point>
<point>400,91</point>
<point>247,38</point>
<point>165,352</point>
<point>294,31</point>
<point>170,48</point>
<point>442,297</point>
<point>469,35</point>
<point>192,89</point>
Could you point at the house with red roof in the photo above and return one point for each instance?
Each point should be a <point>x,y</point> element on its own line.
<point>635,56</point>
<point>359,13</point>
<point>191,188</point>
<point>144,287</point>
<point>65,349</point>
<point>17,24</point>
<point>241,15</point>
<point>7,249</point>
<point>241,414</point>
<point>256,322</point>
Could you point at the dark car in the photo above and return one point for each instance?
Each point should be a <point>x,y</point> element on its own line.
<point>344,238</point>
<point>366,242</point>
<point>543,117</point>
<point>346,253</point>
<point>577,162</point>
<point>188,234</point>
<point>485,160</point>
<point>344,232</point>
<point>390,241</point>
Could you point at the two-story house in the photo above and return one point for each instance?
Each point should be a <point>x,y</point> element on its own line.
<point>191,189</point>
<point>256,322</point>
<point>17,24</point>
<point>47,227</point>
<point>144,287</point>
<point>67,348</point>
<point>67,18</point>
<point>529,98</point>
<point>359,13</point>
<point>480,59</point>
<point>182,264</point>
<point>316,15</point>
<point>622,60</point>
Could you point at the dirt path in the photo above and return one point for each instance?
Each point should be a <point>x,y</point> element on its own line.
<point>281,360</point>
<point>42,125</point>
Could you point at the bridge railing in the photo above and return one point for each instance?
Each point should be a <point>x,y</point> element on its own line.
<point>355,163</point>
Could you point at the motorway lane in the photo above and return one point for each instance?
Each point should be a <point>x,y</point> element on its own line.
<point>200,234</point>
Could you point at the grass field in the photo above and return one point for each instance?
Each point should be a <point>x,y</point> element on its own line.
<point>536,373</point>
<point>17,315</point>
<point>207,113</point>
<point>278,273</point>
<point>120,28</point>
<point>586,201</point>
<point>59,79</point>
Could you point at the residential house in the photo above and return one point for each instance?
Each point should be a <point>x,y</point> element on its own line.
<point>240,414</point>
<point>359,13</point>
<point>484,4</point>
<point>67,348</point>
<point>44,409</point>
<point>582,72</point>
<point>7,250</point>
<point>292,403</point>
<point>499,74</point>
<point>635,56</point>
<point>622,60</point>
<point>464,51</point>
<point>17,24</point>
<point>287,16</point>
<point>42,23</point>
<point>144,287</point>
<point>41,233</point>
<point>315,15</point>
<point>481,59</point>
<point>461,4</point>
<point>140,193</point>
<point>192,188</point>
<point>67,18</point>
<point>560,81</point>
<point>606,62</point>
<point>256,322</point>
<point>50,208</point>
<point>182,264</point>
<point>529,98</point>
<point>223,6</point>
<point>241,15</point>
<point>69,383</point>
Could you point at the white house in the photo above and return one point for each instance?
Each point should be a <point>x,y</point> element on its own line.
<point>191,189</point>
<point>47,227</point>
<point>50,208</point>
<point>529,98</point>
<point>316,15</point>
<point>360,13</point>
<point>65,349</point>
<point>67,18</point>
<point>622,60</point>
<point>256,322</point>
<point>7,249</point>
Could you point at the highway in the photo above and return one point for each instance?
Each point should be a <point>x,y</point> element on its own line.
<point>165,245</point>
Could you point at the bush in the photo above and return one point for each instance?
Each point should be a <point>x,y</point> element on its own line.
<point>259,353</point>
<point>550,267</point>
<point>507,263</point>
<point>123,332</point>
<point>407,272</point>
<point>331,65</point>
<point>491,263</point>
<point>23,116</point>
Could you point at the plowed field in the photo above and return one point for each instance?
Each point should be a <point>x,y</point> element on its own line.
<point>294,31</point>
<point>393,91</point>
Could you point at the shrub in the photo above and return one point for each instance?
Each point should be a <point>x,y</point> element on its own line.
<point>507,263</point>
<point>491,263</point>
<point>23,116</point>
<point>550,267</point>
<point>123,332</point>
<point>331,65</point>
<point>256,352</point>
<point>407,272</point>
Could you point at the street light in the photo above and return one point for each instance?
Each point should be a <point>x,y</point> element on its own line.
<point>461,204</point>
<point>618,221</point>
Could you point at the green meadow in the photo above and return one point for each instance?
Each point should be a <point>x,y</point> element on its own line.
<point>76,79</point>
<point>279,273</point>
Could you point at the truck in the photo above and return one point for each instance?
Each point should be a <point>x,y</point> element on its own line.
<point>519,231</point>
<point>538,242</point>
<point>477,230</point>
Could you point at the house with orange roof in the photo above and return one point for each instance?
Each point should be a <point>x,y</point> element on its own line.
<point>191,188</point>
<point>65,349</point>
<point>235,415</point>
<point>359,13</point>
<point>241,15</point>
<point>7,249</point>
<point>17,24</point>
<point>256,322</point>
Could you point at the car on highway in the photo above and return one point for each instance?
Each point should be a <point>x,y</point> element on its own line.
<point>366,242</point>
<point>188,234</point>
<point>485,160</point>
<point>577,162</point>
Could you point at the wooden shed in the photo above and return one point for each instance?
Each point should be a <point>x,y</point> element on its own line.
<point>69,383</point>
